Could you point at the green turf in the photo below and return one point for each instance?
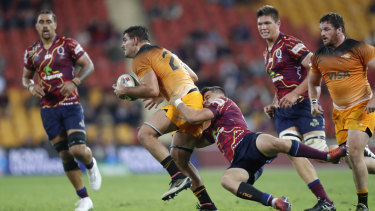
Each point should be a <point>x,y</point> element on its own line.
<point>142,192</point>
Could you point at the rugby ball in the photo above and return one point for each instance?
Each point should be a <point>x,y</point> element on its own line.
<point>128,81</point>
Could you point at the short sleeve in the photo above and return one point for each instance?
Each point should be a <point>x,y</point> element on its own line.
<point>366,53</point>
<point>314,64</point>
<point>75,49</point>
<point>297,49</point>
<point>217,106</point>
<point>27,60</point>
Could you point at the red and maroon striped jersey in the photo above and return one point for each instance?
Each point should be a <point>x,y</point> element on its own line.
<point>54,66</point>
<point>227,128</point>
<point>283,64</point>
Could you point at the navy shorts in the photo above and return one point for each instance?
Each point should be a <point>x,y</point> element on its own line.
<point>57,119</point>
<point>299,116</point>
<point>248,157</point>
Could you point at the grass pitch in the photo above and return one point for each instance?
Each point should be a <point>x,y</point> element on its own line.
<point>143,191</point>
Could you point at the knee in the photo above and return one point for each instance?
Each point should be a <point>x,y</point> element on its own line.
<point>355,153</point>
<point>145,135</point>
<point>78,151</point>
<point>226,183</point>
<point>66,156</point>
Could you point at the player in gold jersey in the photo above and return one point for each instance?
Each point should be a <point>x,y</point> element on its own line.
<point>343,63</point>
<point>163,75</point>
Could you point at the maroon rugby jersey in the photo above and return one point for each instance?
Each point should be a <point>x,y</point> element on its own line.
<point>54,66</point>
<point>227,128</point>
<point>283,64</point>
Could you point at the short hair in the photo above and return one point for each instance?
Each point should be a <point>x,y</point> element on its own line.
<point>215,89</point>
<point>48,12</point>
<point>268,10</point>
<point>140,32</point>
<point>335,19</point>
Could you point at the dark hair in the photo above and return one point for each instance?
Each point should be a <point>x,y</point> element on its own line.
<point>137,31</point>
<point>335,19</point>
<point>268,10</point>
<point>216,89</point>
<point>48,12</point>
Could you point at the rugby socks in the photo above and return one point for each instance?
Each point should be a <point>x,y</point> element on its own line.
<point>82,193</point>
<point>90,165</point>
<point>202,195</point>
<point>318,190</point>
<point>302,150</point>
<point>249,192</point>
<point>362,196</point>
<point>169,164</point>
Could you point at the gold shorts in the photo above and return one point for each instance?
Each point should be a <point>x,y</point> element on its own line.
<point>355,117</point>
<point>194,100</point>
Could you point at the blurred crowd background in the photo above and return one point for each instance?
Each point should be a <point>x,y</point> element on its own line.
<point>218,39</point>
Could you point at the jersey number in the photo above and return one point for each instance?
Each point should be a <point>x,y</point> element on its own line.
<point>171,62</point>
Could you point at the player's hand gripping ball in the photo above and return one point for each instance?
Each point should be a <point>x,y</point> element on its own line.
<point>128,81</point>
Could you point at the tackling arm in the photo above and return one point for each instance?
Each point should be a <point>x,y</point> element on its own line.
<point>192,115</point>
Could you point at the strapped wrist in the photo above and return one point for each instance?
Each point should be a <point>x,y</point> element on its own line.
<point>76,81</point>
<point>30,85</point>
<point>313,101</point>
<point>177,102</point>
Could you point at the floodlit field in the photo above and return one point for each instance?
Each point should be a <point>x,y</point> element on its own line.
<point>142,192</point>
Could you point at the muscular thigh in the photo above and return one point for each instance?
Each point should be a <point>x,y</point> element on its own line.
<point>160,122</point>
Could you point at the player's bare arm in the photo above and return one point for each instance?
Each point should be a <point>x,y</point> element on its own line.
<point>371,104</point>
<point>148,87</point>
<point>289,99</point>
<point>192,115</point>
<point>314,81</point>
<point>192,74</point>
<point>27,81</point>
<point>87,68</point>
<point>269,110</point>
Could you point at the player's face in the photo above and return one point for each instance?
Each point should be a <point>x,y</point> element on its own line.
<point>268,28</point>
<point>329,34</point>
<point>46,26</point>
<point>129,46</point>
<point>208,97</point>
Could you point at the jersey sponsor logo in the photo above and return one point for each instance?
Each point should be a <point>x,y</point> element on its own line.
<point>346,56</point>
<point>277,78</point>
<point>48,70</point>
<point>78,49</point>
<point>338,75</point>
<point>49,74</point>
<point>314,123</point>
<point>297,48</point>
<point>82,123</point>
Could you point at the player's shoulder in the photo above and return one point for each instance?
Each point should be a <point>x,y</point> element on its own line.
<point>290,39</point>
<point>31,49</point>
<point>147,48</point>
<point>347,45</point>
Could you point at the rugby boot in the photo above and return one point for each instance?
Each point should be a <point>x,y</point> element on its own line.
<point>95,179</point>
<point>177,185</point>
<point>282,204</point>
<point>84,204</point>
<point>322,205</point>
<point>334,155</point>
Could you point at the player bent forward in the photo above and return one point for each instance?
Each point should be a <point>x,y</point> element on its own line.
<point>247,151</point>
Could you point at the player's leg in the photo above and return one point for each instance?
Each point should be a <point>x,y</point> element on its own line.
<point>369,158</point>
<point>235,181</point>
<point>73,172</point>
<point>357,140</point>
<point>245,169</point>
<point>181,149</point>
<point>157,125</point>
<point>73,119</point>
<point>58,139</point>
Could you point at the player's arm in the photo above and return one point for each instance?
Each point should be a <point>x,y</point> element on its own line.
<point>28,82</point>
<point>148,87</point>
<point>371,104</point>
<point>192,115</point>
<point>87,68</point>
<point>314,81</point>
<point>192,74</point>
<point>289,99</point>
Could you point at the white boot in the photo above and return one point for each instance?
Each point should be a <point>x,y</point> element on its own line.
<point>95,179</point>
<point>84,204</point>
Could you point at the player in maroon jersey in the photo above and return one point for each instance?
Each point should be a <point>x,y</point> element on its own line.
<point>247,151</point>
<point>287,62</point>
<point>53,58</point>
